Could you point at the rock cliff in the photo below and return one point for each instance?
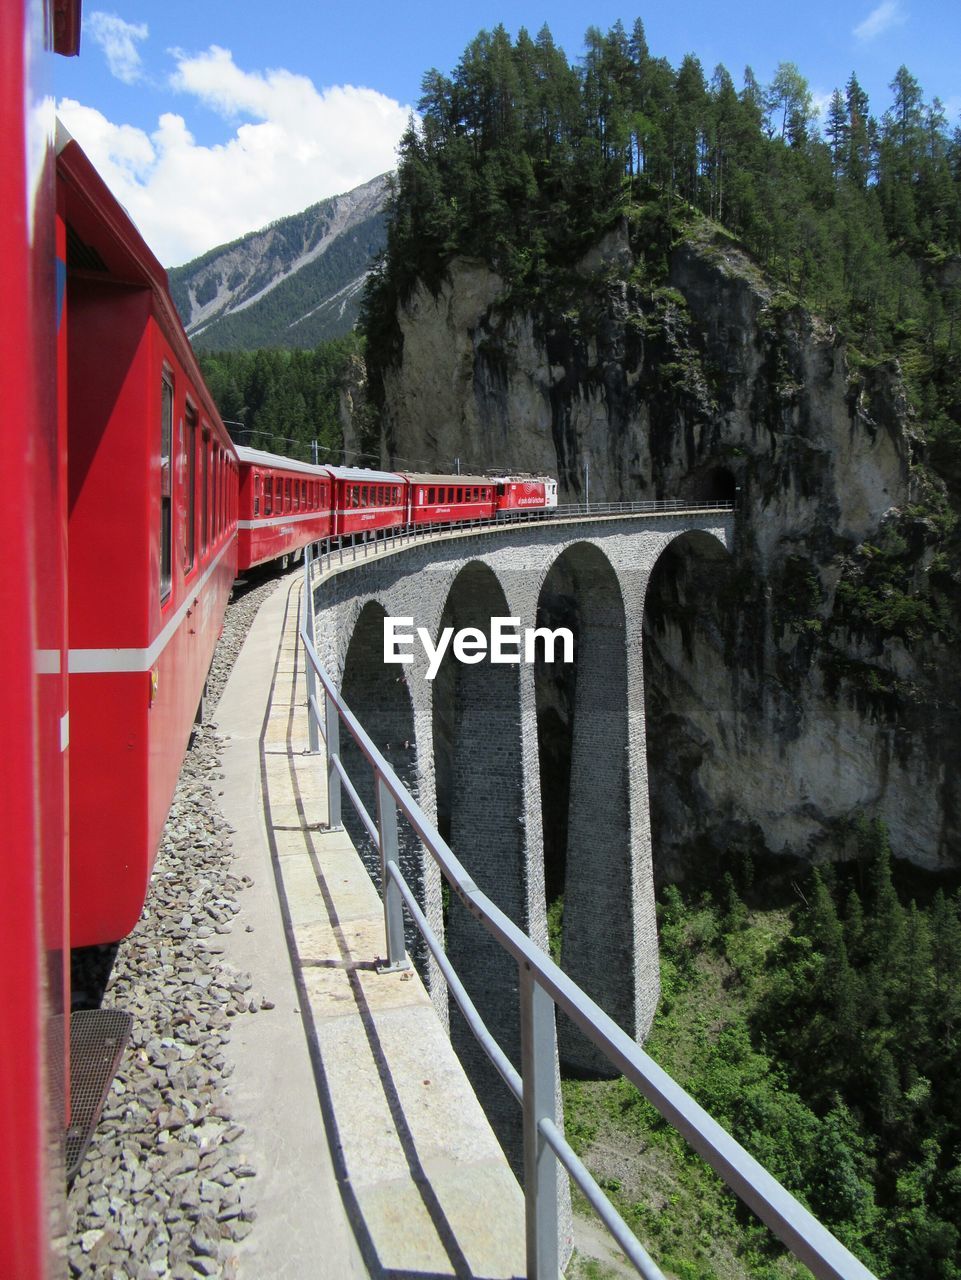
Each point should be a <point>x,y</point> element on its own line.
<point>812,683</point>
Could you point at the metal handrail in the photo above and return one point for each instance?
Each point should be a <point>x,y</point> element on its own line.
<point>544,986</point>
<point>359,547</point>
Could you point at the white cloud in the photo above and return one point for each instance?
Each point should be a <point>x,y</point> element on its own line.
<point>887,14</point>
<point>819,104</point>
<point>297,145</point>
<point>118,39</point>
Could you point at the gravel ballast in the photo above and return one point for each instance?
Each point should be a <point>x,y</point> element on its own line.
<point>166,1189</point>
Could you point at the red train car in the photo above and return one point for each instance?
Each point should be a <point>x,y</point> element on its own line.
<point>33,687</point>
<point>367,500</point>
<point>449,498</point>
<point>152,549</point>
<point>283,505</point>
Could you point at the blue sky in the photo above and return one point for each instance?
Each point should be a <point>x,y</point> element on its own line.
<point>211,118</point>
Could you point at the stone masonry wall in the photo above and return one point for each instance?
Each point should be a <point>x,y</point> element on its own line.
<point>610,938</point>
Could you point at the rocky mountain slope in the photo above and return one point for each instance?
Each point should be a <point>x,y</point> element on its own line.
<point>810,685</point>
<point>293,284</point>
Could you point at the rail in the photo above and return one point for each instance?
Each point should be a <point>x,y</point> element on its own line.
<point>359,546</point>
<point>542,987</point>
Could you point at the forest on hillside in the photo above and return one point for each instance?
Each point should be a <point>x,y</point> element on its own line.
<point>524,160</point>
<point>817,1015</point>
<point>285,400</point>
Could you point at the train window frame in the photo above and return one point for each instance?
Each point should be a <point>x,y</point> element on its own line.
<point>204,489</point>
<point>256,483</point>
<point>166,482</point>
<point>191,425</point>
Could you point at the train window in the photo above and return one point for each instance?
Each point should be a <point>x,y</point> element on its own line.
<point>268,496</point>
<point>256,493</point>
<point>460,494</point>
<point>215,498</point>
<point>190,474</point>
<point>204,489</point>
<point>166,505</point>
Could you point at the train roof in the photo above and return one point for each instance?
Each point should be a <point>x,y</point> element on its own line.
<point>103,240</point>
<point>364,475</point>
<point>425,477</point>
<point>261,458</point>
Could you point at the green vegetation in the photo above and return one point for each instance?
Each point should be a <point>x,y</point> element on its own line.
<point>284,400</point>
<point>825,1035</point>
<point>525,161</point>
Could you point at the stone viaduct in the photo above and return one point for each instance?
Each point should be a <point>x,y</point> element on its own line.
<point>466,744</point>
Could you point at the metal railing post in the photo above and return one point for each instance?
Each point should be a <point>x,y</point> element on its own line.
<point>393,902</point>
<point>332,738</point>
<point>540,1168</point>
<point>313,735</point>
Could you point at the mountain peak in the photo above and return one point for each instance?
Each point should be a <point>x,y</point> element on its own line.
<point>294,283</point>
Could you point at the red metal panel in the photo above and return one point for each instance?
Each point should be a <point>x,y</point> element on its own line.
<point>31,797</point>
<point>522,495</point>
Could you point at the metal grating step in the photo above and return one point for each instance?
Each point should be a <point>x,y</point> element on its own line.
<point>97,1039</point>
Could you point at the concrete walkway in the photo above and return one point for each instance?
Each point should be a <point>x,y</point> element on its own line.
<point>373,1156</point>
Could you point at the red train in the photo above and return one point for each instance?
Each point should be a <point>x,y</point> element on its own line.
<point>284,505</point>
<point>128,515</point>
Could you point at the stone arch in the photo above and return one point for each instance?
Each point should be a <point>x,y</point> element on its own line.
<point>684,647</point>
<point>581,589</point>
<point>380,697</point>
<point>480,806</point>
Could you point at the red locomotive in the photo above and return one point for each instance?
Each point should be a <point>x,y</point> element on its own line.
<point>525,493</point>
